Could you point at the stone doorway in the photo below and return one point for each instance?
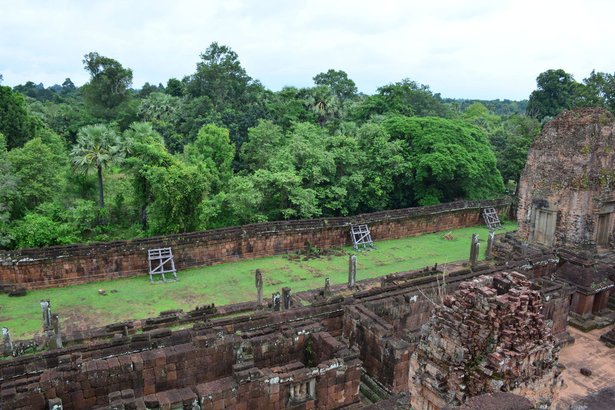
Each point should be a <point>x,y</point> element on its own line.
<point>544,227</point>
<point>605,223</point>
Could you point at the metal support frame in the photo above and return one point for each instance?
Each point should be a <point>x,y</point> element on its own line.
<point>491,218</point>
<point>361,236</point>
<point>160,262</point>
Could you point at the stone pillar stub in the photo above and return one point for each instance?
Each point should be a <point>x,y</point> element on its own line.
<point>56,338</point>
<point>474,248</point>
<point>352,270</point>
<point>7,342</point>
<point>46,309</point>
<point>489,248</point>
<point>286,302</point>
<point>258,278</point>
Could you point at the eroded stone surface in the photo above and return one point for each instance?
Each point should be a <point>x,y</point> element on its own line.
<point>489,336</point>
<point>567,188</point>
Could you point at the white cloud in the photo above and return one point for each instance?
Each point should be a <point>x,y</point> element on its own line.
<point>473,49</point>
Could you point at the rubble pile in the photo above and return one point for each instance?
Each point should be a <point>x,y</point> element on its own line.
<point>488,336</point>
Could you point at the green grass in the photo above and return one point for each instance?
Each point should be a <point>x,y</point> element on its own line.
<point>81,306</point>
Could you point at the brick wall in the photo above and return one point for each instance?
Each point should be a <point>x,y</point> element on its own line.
<point>63,265</point>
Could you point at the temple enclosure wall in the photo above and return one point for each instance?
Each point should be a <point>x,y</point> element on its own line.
<point>64,265</point>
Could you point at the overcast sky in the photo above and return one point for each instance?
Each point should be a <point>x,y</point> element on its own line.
<point>460,48</point>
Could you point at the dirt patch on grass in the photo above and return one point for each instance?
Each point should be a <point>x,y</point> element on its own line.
<point>317,273</point>
<point>272,282</point>
<point>78,319</point>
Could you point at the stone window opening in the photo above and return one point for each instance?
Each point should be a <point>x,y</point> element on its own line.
<point>302,391</point>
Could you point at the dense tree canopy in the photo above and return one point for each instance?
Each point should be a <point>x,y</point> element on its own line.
<point>17,125</point>
<point>216,148</point>
<point>108,86</point>
<point>449,159</point>
<point>557,90</point>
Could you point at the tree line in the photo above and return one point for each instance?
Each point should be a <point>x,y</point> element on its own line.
<point>216,148</point>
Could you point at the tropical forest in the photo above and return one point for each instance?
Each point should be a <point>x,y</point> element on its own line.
<point>106,161</point>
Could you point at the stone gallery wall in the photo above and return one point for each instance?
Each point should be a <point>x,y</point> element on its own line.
<point>63,265</point>
<point>567,189</point>
<point>292,360</point>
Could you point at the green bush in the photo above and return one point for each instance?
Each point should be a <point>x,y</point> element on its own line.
<point>35,230</point>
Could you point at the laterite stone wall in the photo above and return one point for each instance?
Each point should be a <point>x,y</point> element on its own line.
<point>64,265</point>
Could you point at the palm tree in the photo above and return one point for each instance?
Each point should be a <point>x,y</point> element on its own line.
<point>97,146</point>
<point>324,104</point>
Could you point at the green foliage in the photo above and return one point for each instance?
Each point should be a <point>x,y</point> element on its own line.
<point>177,190</point>
<point>108,85</point>
<point>174,87</point>
<point>16,123</point>
<point>162,112</point>
<point>264,141</point>
<point>557,90</point>
<point>288,106</point>
<point>97,147</point>
<point>144,148</point>
<point>337,80</point>
<point>406,98</point>
<point>519,133</point>
<point>323,102</point>
<point>510,137</point>
<point>221,93</point>
<point>36,91</point>
<point>600,90</point>
<point>450,159</point>
<point>38,172</point>
<point>213,152</point>
<point>8,187</point>
<point>66,118</point>
<point>384,167</point>
<point>217,149</point>
<point>36,230</point>
<point>244,201</point>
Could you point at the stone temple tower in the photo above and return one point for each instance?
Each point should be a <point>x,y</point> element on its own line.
<point>567,189</point>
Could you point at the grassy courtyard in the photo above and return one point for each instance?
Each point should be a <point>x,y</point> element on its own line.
<point>132,298</point>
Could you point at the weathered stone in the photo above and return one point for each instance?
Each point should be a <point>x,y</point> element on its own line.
<point>7,342</point>
<point>477,355</point>
<point>566,192</point>
<point>352,270</point>
<point>63,265</point>
<point>286,300</point>
<point>258,278</point>
<point>585,371</point>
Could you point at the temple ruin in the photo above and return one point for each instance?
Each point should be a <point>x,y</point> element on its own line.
<point>466,335</point>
